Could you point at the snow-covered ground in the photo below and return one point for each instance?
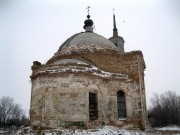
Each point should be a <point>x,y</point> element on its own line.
<point>107,130</point>
<point>169,128</point>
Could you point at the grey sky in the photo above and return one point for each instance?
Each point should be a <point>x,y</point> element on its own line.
<point>34,29</point>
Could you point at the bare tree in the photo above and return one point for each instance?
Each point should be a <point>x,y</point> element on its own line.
<point>9,110</point>
<point>165,109</point>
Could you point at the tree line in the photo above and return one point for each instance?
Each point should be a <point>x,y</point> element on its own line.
<point>165,110</point>
<point>11,113</point>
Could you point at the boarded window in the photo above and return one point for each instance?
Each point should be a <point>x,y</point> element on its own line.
<point>93,112</point>
<point>121,102</point>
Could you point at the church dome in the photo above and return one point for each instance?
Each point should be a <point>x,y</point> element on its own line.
<point>87,38</point>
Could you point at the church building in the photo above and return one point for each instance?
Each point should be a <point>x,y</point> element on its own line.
<point>90,82</point>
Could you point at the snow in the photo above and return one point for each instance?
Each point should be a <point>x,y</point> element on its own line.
<point>66,61</point>
<point>169,128</point>
<point>110,130</point>
<point>48,133</point>
<point>2,132</point>
<point>106,130</point>
<point>90,69</point>
<point>78,48</point>
<point>122,118</point>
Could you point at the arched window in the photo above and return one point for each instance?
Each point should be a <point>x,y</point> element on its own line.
<point>121,104</point>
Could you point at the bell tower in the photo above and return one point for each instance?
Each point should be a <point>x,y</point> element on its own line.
<point>117,40</point>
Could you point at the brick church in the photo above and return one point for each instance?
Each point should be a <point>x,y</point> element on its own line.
<point>88,83</point>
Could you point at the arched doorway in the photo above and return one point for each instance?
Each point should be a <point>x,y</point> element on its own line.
<point>121,104</point>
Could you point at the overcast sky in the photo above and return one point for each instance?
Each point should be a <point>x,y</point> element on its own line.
<point>34,29</point>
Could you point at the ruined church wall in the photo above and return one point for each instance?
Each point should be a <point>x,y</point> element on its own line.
<point>59,99</point>
<point>142,92</point>
<point>110,61</point>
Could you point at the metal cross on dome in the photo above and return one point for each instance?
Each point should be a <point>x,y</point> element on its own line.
<point>88,9</point>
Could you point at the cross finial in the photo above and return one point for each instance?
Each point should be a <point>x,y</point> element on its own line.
<point>113,10</point>
<point>88,9</point>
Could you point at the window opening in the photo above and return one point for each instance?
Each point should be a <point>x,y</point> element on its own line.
<point>93,112</point>
<point>121,102</point>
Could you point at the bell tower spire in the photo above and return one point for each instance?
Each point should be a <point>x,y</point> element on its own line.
<point>117,40</point>
<point>115,31</point>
